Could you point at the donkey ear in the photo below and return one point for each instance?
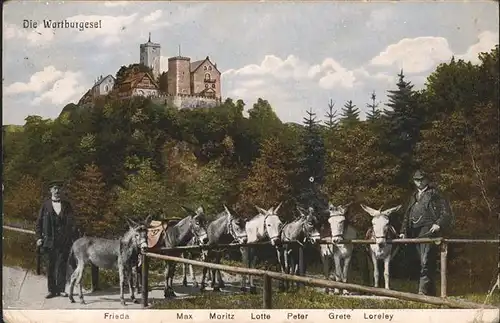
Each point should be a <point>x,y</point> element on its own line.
<point>391,210</point>
<point>148,220</point>
<point>200,210</point>
<point>227,210</point>
<point>275,211</point>
<point>348,204</point>
<point>261,210</point>
<point>369,210</point>
<point>330,205</point>
<point>188,210</point>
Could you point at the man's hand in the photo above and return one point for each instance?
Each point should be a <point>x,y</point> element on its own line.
<point>434,228</point>
<point>402,236</point>
<point>39,242</point>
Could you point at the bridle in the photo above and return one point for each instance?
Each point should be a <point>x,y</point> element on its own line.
<point>230,228</point>
<point>200,225</point>
<point>280,229</point>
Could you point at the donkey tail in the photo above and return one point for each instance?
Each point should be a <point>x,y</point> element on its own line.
<point>71,265</point>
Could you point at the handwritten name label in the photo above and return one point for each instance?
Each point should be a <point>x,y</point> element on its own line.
<point>116,316</point>
<point>297,316</point>
<point>261,316</point>
<point>184,316</point>
<point>381,316</point>
<point>341,316</point>
<point>221,316</point>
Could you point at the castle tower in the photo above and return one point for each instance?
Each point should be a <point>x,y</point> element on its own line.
<point>150,56</point>
<point>179,75</point>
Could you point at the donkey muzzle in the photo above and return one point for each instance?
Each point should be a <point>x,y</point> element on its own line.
<point>275,241</point>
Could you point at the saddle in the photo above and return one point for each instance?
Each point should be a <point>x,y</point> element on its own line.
<point>156,230</point>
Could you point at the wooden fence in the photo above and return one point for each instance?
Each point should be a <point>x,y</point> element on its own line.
<point>269,275</point>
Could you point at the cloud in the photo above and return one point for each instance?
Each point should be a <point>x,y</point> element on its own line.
<point>415,55</point>
<point>49,85</point>
<point>67,88</point>
<point>155,15</point>
<point>116,3</point>
<point>35,37</point>
<point>486,41</point>
<point>38,82</point>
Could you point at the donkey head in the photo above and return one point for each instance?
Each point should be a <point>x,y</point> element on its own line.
<point>236,227</point>
<point>139,233</point>
<point>198,224</point>
<point>310,224</point>
<point>336,220</point>
<point>272,223</point>
<point>380,222</point>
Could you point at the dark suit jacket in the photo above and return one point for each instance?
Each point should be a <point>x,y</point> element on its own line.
<point>432,209</point>
<point>56,231</point>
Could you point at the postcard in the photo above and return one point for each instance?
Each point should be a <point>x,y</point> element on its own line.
<point>256,161</point>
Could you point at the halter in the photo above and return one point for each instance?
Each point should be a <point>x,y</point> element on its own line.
<point>232,231</point>
<point>195,234</point>
<point>280,230</point>
<point>307,235</point>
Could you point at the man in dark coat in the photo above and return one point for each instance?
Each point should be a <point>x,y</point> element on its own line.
<point>56,232</point>
<point>428,215</point>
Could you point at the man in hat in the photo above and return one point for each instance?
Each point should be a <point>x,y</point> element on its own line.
<point>428,215</point>
<point>56,231</point>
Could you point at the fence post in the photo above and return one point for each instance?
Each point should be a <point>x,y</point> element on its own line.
<point>145,287</point>
<point>301,263</point>
<point>38,261</point>
<point>267,293</point>
<point>444,258</point>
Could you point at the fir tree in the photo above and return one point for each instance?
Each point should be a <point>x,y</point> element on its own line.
<point>331,116</point>
<point>403,125</point>
<point>373,113</point>
<point>312,164</point>
<point>350,114</point>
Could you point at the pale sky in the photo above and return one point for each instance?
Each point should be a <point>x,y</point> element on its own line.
<point>295,55</point>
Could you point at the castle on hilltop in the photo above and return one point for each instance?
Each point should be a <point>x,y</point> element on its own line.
<point>185,84</point>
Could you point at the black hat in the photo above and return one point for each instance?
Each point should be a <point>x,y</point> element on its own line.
<point>58,183</point>
<point>419,175</point>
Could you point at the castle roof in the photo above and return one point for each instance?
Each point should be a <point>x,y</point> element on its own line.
<point>196,64</point>
<point>136,78</point>
<point>102,80</point>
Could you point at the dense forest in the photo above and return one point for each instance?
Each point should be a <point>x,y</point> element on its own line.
<point>133,158</point>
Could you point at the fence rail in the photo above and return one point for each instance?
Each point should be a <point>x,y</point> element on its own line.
<point>268,275</point>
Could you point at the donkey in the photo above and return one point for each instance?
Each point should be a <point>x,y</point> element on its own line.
<point>304,230</point>
<point>192,226</point>
<point>106,253</point>
<point>225,229</point>
<point>266,225</point>
<point>193,254</point>
<point>381,231</point>
<point>336,231</point>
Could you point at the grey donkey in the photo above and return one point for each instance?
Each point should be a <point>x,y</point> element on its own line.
<point>119,253</point>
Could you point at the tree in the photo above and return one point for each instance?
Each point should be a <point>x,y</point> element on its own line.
<point>89,197</point>
<point>269,179</point>
<point>402,126</point>
<point>312,164</point>
<point>331,121</point>
<point>373,113</point>
<point>349,115</point>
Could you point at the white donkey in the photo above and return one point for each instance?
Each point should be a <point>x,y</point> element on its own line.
<point>336,230</point>
<point>265,226</point>
<point>381,231</point>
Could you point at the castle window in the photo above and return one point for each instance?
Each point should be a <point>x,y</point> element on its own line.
<point>207,77</point>
<point>106,88</point>
<point>205,68</point>
<point>213,86</point>
<point>210,68</point>
<point>206,86</point>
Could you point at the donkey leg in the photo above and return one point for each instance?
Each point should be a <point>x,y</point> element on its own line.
<point>170,291</point>
<point>375,270</point>
<point>121,274</point>
<point>325,259</point>
<point>338,271</point>
<point>347,261</point>
<point>132,285</point>
<point>166,276</point>
<point>73,279</point>
<point>79,280</point>
<point>193,276</point>
<point>386,271</point>
<point>253,262</point>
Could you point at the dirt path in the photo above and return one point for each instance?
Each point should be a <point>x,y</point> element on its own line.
<point>31,295</point>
